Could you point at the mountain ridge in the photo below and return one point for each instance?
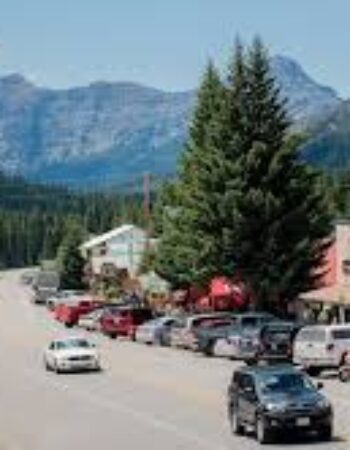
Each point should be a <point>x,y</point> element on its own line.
<point>118,130</point>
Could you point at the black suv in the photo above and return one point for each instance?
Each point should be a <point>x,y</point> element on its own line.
<point>267,399</point>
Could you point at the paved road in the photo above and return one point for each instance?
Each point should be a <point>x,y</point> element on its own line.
<point>146,397</point>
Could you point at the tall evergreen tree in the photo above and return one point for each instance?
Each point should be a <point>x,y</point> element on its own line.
<point>248,206</point>
<point>185,256</point>
<point>70,260</point>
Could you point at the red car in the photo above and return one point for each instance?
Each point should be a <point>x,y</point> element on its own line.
<point>69,312</point>
<point>123,322</point>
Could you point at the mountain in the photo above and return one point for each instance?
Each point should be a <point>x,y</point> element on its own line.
<point>329,148</point>
<point>111,133</point>
<point>308,101</point>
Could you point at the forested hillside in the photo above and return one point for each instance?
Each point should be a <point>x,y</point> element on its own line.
<point>33,218</point>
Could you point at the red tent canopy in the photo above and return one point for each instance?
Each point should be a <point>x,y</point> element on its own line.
<point>222,288</point>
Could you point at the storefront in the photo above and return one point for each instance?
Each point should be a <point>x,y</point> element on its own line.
<point>331,302</point>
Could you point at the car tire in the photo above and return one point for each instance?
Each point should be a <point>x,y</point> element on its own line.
<point>56,369</point>
<point>262,432</point>
<point>236,426</point>
<point>344,374</point>
<point>47,366</point>
<point>313,371</point>
<point>209,349</point>
<point>326,433</point>
<point>113,335</point>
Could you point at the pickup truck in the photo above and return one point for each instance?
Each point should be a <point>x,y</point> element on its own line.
<point>124,321</point>
<point>69,312</point>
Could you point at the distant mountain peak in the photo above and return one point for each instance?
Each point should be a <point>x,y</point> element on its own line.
<point>118,130</point>
<point>308,100</point>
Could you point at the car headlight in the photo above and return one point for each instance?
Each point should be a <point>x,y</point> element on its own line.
<point>323,403</point>
<point>277,407</point>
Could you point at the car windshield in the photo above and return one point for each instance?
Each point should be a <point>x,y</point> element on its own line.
<point>72,343</point>
<point>283,382</point>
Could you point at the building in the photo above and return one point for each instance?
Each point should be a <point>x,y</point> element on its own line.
<point>331,301</point>
<point>122,247</point>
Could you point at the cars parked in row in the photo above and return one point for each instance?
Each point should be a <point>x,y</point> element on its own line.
<point>279,398</point>
<point>71,354</point>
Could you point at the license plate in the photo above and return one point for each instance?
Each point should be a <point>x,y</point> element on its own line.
<point>303,421</point>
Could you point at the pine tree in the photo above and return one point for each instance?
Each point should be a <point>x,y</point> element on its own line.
<point>185,256</point>
<point>70,260</point>
<point>277,220</point>
<point>245,204</point>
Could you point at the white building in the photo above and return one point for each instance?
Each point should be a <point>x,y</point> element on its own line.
<point>123,246</point>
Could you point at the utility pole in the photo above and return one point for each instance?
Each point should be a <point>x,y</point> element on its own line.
<point>147,206</point>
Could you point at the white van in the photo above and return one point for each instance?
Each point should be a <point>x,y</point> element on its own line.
<point>319,347</point>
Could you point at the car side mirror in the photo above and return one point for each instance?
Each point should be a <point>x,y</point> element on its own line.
<point>319,385</point>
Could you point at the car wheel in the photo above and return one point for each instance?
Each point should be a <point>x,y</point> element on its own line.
<point>236,426</point>
<point>263,434</point>
<point>344,374</point>
<point>56,368</point>
<point>113,335</point>
<point>313,371</point>
<point>209,349</point>
<point>47,365</point>
<point>326,433</point>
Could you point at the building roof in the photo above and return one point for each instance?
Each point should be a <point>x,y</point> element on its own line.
<point>97,240</point>
<point>337,294</point>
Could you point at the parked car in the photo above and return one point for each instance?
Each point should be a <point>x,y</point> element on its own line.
<point>91,320</point>
<point>275,342</point>
<point>320,347</point>
<point>62,296</point>
<point>27,277</point>
<point>71,354</point>
<point>45,284</point>
<point>271,399</point>
<point>155,331</point>
<point>207,337</point>
<point>124,321</point>
<point>183,333</point>
<point>344,369</point>
<point>69,312</point>
<point>240,343</point>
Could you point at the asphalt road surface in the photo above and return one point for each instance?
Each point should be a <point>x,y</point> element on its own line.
<point>146,397</point>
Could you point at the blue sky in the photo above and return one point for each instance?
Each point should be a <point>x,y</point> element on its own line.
<point>165,43</point>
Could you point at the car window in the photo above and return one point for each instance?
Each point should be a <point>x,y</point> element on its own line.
<point>283,382</point>
<point>318,335</point>
<point>245,381</point>
<point>72,343</point>
<point>342,333</point>
<point>312,335</point>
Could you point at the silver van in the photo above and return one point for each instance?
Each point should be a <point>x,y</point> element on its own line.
<point>320,347</point>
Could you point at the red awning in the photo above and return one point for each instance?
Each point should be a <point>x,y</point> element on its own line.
<point>223,288</point>
<point>220,287</point>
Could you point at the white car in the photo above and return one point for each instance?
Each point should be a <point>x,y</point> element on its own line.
<point>71,354</point>
<point>91,321</point>
<point>152,332</point>
<point>63,297</point>
<point>319,347</point>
